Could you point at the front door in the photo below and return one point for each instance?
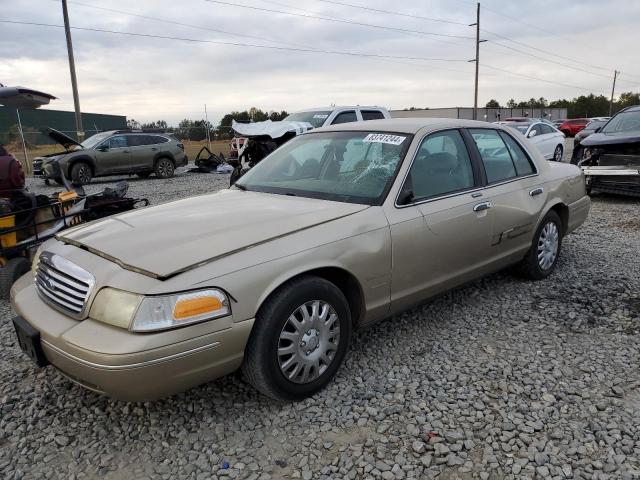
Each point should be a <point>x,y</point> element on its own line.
<point>441,230</point>
<point>112,155</point>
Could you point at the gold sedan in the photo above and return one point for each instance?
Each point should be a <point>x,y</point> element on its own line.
<point>337,229</point>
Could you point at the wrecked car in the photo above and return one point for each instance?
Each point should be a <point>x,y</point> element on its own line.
<point>112,153</point>
<point>338,229</point>
<point>259,139</point>
<point>611,156</point>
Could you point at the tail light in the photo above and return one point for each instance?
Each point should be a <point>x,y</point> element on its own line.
<point>181,146</point>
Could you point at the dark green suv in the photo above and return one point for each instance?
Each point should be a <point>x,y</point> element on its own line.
<point>115,152</point>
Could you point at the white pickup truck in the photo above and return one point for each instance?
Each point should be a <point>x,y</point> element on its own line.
<point>254,141</point>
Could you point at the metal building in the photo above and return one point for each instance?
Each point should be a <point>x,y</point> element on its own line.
<point>487,114</point>
<point>35,121</point>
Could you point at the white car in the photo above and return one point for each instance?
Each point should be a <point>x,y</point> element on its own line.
<point>547,139</point>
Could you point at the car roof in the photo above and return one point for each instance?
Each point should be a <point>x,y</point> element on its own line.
<point>407,125</point>
<point>339,107</point>
<point>633,108</point>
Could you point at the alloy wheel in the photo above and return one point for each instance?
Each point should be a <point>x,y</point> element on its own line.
<point>548,243</point>
<point>557,155</point>
<point>308,341</point>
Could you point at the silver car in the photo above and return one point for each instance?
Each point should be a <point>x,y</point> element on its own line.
<point>336,230</point>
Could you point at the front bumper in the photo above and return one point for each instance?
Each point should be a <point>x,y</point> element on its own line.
<point>128,366</point>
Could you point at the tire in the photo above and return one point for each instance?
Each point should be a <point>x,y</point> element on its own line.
<point>235,175</point>
<point>12,271</point>
<point>164,168</point>
<point>531,266</point>
<point>81,174</point>
<point>143,174</point>
<point>557,153</point>
<point>306,366</point>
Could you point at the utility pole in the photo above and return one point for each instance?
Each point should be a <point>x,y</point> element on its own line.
<point>206,119</point>
<point>613,90</point>
<point>72,69</point>
<point>477,61</point>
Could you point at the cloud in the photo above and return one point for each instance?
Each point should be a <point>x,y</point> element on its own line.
<point>150,78</point>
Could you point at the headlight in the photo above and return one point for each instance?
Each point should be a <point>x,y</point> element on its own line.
<point>141,313</point>
<point>35,259</point>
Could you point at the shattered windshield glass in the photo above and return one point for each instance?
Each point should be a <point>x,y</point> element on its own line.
<point>354,167</point>
<point>315,118</point>
<point>623,122</point>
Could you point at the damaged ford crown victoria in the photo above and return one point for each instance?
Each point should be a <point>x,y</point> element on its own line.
<point>335,230</point>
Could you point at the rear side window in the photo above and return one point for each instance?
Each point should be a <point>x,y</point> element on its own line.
<point>495,155</point>
<point>155,139</point>
<point>442,165</point>
<point>345,117</point>
<point>371,115</point>
<point>136,140</point>
<point>519,157</point>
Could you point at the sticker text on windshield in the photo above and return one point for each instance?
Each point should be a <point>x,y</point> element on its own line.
<point>384,138</point>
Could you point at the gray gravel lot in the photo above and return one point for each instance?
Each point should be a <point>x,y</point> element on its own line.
<point>503,378</point>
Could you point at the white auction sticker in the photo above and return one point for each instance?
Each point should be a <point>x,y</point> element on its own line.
<point>384,138</point>
<point>321,116</point>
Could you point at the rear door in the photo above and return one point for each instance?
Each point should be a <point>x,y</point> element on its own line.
<point>441,228</point>
<point>112,155</point>
<point>141,153</point>
<point>513,189</point>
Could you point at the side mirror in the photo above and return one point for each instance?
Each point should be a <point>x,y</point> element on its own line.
<point>103,148</point>
<point>532,133</point>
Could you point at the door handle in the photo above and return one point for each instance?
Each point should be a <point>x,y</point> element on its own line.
<point>479,207</point>
<point>125,151</point>
<point>154,149</point>
<point>536,191</point>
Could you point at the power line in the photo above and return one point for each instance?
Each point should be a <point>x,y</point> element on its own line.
<point>173,22</point>
<point>237,44</point>
<point>339,20</point>
<point>547,52</point>
<point>399,14</point>
<point>530,77</point>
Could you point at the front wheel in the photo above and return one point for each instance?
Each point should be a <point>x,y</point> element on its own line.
<point>299,339</point>
<point>80,174</point>
<point>542,257</point>
<point>557,154</point>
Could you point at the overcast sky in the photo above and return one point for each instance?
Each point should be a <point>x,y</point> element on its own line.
<point>150,78</point>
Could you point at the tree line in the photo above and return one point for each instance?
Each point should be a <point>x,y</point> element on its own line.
<point>583,106</point>
<point>196,130</point>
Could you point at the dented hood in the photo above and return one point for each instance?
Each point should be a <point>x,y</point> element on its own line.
<point>270,129</point>
<point>168,239</point>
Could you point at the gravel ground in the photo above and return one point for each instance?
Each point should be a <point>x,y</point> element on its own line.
<point>503,378</point>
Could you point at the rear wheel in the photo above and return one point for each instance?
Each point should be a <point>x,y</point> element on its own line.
<point>557,153</point>
<point>299,339</point>
<point>81,174</point>
<point>542,257</point>
<point>12,271</point>
<point>164,168</point>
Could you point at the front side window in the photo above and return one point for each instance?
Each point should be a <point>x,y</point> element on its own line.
<point>354,167</point>
<point>441,166</point>
<point>345,117</point>
<point>119,141</point>
<point>495,155</point>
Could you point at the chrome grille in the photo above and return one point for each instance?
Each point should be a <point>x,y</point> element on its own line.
<point>63,284</point>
